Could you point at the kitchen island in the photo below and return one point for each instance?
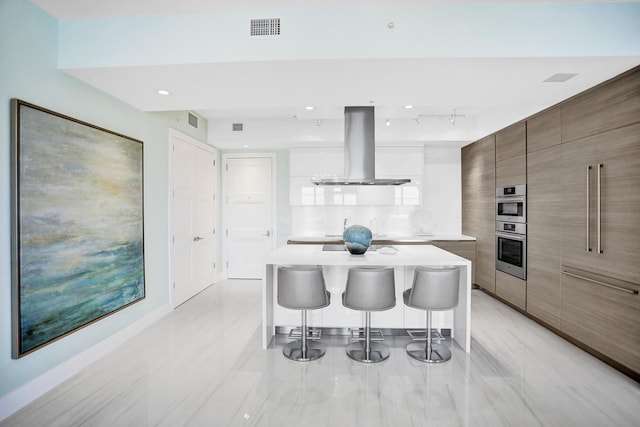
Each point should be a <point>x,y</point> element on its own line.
<point>404,259</point>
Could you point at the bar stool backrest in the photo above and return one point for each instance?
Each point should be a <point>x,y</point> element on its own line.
<point>302,288</point>
<point>370,289</point>
<point>435,288</point>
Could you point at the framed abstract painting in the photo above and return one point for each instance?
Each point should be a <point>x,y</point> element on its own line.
<point>77,225</point>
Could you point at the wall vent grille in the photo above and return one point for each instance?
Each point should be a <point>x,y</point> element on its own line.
<point>193,120</point>
<point>237,127</point>
<point>560,78</point>
<point>265,27</point>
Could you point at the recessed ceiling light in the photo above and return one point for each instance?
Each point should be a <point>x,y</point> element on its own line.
<point>387,122</point>
<point>163,92</point>
<point>309,107</point>
<point>408,107</point>
<point>560,78</point>
<point>245,146</point>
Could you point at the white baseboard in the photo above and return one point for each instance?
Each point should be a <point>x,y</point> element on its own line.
<point>35,388</point>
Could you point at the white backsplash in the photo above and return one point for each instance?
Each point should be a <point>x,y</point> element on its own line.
<point>324,220</point>
<point>439,213</point>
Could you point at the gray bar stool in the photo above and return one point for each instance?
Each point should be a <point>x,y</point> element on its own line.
<point>369,289</point>
<point>434,289</point>
<point>302,288</point>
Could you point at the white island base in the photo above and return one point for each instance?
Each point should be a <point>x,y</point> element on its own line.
<point>336,264</point>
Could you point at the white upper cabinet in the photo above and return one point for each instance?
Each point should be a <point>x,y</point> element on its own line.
<point>399,161</point>
<point>318,162</point>
<point>391,162</point>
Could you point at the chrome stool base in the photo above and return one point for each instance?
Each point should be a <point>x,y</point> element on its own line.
<point>293,351</point>
<point>419,351</point>
<point>360,334</point>
<point>313,333</point>
<point>422,334</point>
<point>378,352</point>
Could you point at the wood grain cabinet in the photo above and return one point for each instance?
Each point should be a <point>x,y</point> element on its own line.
<point>511,150</point>
<point>478,206</point>
<point>511,169</point>
<point>600,167</point>
<point>613,105</point>
<point>600,184</point>
<point>544,216</point>
<point>581,163</point>
<point>511,289</point>
<point>465,249</point>
<point>603,313</point>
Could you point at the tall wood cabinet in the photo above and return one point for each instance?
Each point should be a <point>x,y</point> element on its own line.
<point>582,170</point>
<point>511,155</point>
<point>478,206</point>
<point>544,216</point>
<point>600,278</point>
<point>613,105</point>
<point>601,188</point>
<point>601,243</point>
<point>511,169</point>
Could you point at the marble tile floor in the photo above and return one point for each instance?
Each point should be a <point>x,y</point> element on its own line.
<point>202,365</point>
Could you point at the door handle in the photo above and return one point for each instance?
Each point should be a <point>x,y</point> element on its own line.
<point>600,166</point>
<point>268,233</point>
<point>598,282</point>
<point>198,238</point>
<point>588,205</point>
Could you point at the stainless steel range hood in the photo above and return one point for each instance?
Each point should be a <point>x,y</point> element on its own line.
<point>359,151</point>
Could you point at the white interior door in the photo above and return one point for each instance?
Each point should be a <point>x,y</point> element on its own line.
<point>249,215</point>
<point>193,173</point>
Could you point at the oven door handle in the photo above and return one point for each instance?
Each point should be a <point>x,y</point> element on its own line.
<point>512,236</point>
<point>510,199</point>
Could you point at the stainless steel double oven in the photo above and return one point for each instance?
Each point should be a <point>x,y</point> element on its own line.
<point>511,230</point>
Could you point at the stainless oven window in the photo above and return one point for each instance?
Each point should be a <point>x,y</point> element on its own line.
<point>511,251</point>
<point>510,208</point>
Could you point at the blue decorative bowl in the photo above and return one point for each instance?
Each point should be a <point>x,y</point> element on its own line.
<point>357,239</point>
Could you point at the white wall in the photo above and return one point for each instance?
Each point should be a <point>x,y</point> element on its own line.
<point>28,54</point>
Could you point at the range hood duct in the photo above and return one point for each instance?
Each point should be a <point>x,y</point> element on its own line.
<point>359,151</point>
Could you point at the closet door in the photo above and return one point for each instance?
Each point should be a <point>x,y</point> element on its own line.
<point>249,199</point>
<point>193,188</point>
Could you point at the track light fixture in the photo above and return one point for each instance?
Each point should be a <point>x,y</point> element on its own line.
<point>452,118</point>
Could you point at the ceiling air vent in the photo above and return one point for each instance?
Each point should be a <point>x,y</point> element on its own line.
<point>193,120</point>
<point>236,127</point>
<point>265,27</point>
<point>559,78</point>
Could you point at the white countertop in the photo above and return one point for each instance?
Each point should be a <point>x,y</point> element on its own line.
<point>399,238</point>
<point>399,255</point>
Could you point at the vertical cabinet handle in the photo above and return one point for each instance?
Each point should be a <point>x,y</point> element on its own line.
<point>600,166</point>
<point>588,204</point>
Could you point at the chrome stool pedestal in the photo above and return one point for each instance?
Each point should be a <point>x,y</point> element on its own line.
<point>369,289</point>
<point>429,351</point>
<point>306,348</point>
<point>434,289</point>
<point>303,288</point>
<point>364,349</point>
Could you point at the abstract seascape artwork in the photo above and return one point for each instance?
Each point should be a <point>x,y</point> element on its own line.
<point>77,225</point>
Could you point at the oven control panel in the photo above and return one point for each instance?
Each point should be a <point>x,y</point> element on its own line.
<point>511,227</point>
